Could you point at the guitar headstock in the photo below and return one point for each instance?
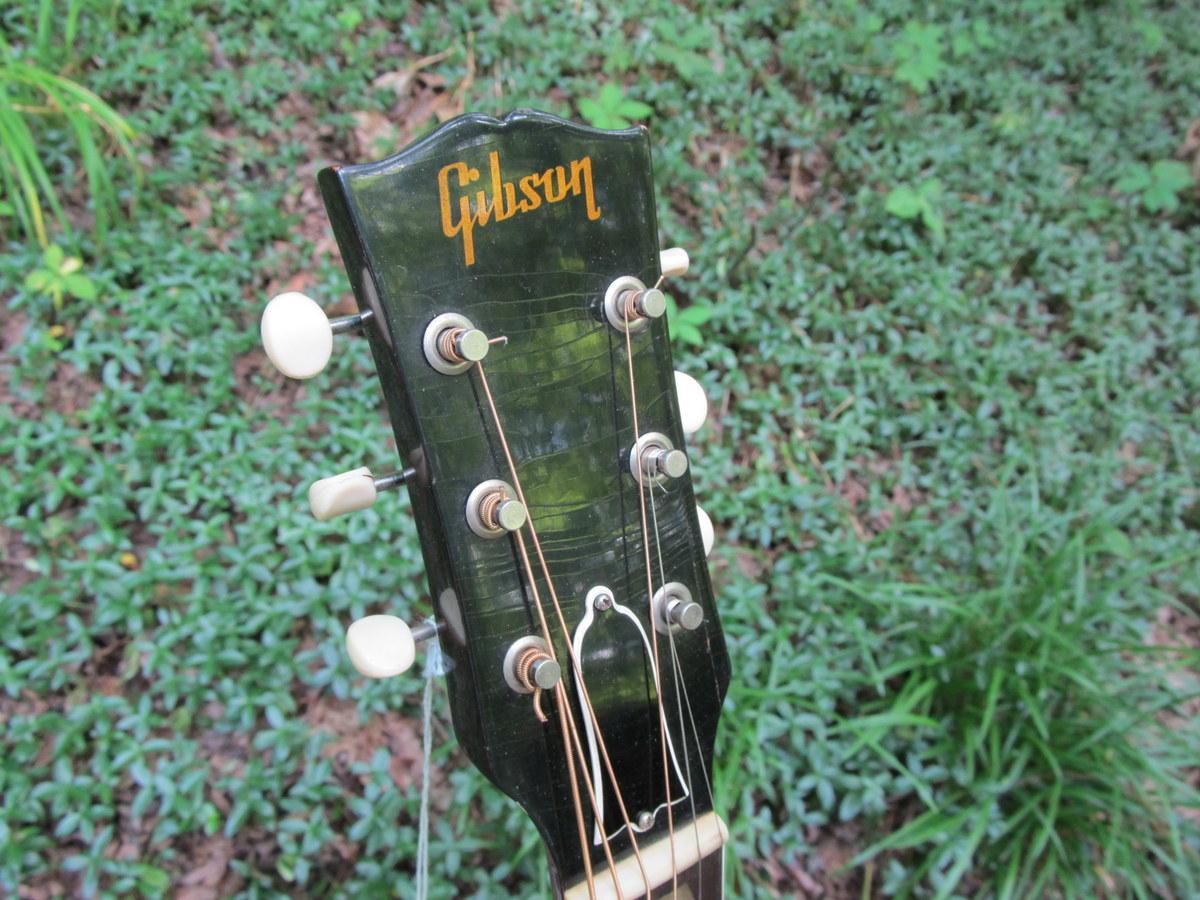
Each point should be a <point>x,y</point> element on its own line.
<point>507,274</point>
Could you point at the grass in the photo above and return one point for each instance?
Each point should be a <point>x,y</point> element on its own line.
<point>33,100</point>
<point>942,295</point>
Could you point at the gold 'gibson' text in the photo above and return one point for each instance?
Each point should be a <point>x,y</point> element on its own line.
<point>501,200</point>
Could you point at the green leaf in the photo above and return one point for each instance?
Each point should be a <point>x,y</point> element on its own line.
<point>38,279</point>
<point>688,333</point>
<point>80,286</point>
<point>1136,178</point>
<point>932,219</point>
<point>610,95</point>
<point>53,257</point>
<point>904,202</point>
<point>635,109</point>
<point>592,111</point>
<point>1152,36</point>
<point>1117,543</point>
<point>154,879</point>
<point>697,314</point>
<point>918,50</point>
<point>1171,174</point>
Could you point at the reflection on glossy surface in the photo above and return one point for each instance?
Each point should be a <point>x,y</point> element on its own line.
<point>561,388</point>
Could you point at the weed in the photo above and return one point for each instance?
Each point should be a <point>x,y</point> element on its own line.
<point>59,277</point>
<point>1158,185</point>
<point>921,202</point>
<point>1048,764</point>
<point>685,324</point>
<point>28,92</point>
<point>918,55</point>
<point>610,108</point>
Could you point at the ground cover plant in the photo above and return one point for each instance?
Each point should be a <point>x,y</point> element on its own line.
<point>945,298</point>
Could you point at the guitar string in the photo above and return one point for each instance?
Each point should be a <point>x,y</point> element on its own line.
<point>682,683</point>
<point>564,719</point>
<point>680,696</point>
<point>639,477</point>
<point>575,665</point>
<point>586,701</point>
<point>696,734</point>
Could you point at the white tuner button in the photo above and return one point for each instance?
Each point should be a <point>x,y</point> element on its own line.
<point>707,535</point>
<point>673,262</point>
<point>338,494</point>
<point>380,646</point>
<point>693,403</point>
<point>296,335</point>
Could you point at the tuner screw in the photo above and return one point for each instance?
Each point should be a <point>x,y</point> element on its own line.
<point>671,463</point>
<point>645,820</point>
<point>685,613</point>
<point>528,666</point>
<point>452,344</point>
<point>298,336</point>
<point>655,458</point>
<point>492,509</point>
<point>648,304</point>
<point>630,306</point>
<point>674,609</point>
<point>384,646</point>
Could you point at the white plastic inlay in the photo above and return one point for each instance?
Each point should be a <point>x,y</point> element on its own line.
<point>296,335</point>
<point>693,402</point>
<point>708,534</point>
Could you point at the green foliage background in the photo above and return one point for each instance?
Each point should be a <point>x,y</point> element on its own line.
<point>950,323</point>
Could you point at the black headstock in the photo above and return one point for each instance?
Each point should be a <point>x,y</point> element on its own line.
<point>515,231</point>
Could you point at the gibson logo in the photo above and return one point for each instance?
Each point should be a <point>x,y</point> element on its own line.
<point>461,217</point>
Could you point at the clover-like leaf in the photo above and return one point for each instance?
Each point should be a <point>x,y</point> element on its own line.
<point>903,202</point>
<point>80,286</point>
<point>1158,184</point>
<point>918,51</point>
<point>610,108</point>
<point>1136,178</point>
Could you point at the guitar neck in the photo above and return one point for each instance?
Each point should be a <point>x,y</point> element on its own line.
<point>694,870</point>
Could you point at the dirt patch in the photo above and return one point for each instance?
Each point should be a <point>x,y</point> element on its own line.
<point>819,874</point>
<point>355,741</point>
<point>15,559</point>
<point>209,876</point>
<point>68,390</point>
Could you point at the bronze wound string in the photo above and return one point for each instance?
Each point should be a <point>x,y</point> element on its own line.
<point>585,698</point>
<point>639,477</point>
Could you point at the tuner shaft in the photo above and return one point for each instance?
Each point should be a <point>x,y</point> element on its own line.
<point>654,458</point>
<point>493,510</point>
<point>452,344</point>
<point>529,667</point>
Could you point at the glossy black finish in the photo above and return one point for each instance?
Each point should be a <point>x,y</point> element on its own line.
<point>562,389</point>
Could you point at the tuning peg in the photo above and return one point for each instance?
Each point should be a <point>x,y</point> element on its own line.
<point>693,403</point>
<point>383,646</point>
<point>298,336</point>
<point>673,262</point>
<point>349,491</point>
<point>708,535</point>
